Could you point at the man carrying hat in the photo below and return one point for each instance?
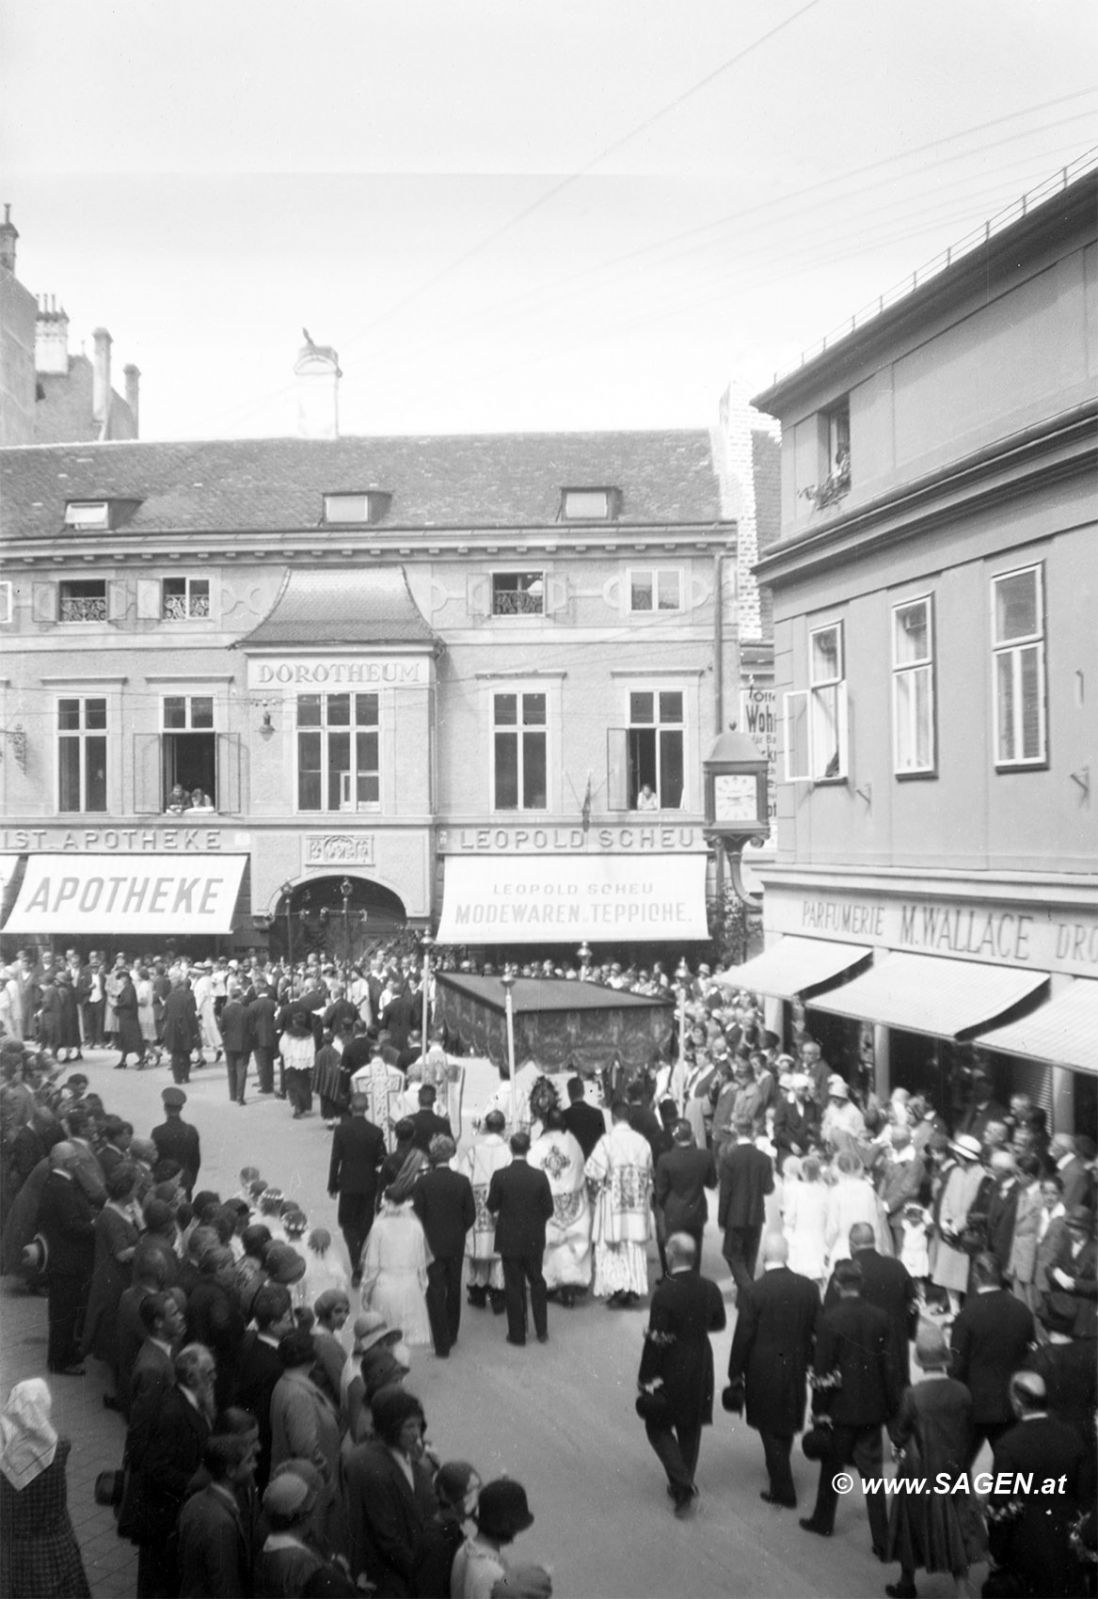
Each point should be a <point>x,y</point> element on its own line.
<point>177,1140</point>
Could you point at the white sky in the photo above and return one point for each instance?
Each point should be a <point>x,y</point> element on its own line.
<point>509,214</point>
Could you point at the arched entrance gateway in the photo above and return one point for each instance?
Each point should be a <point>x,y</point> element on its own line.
<point>341,917</point>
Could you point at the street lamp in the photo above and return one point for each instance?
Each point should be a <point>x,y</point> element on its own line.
<point>346,889</point>
<point>287,892</point>
<point>508,981</point>
<point>426,943</point>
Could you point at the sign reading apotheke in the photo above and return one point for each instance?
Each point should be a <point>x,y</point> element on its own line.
<point>1013,933</point>
<point>304,673</point>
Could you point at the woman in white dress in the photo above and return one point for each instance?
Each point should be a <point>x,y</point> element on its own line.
<point>853,1199</point>
<point>567,1263</point>
<point>804,1216</point>
<point>146,1009</point>
<point>394,1262</point>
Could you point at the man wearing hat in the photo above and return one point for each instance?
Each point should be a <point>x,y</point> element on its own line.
<point>502,1513</point>
<point>990,1339</point>
<point>982,1107</point>
<point>177,1140</point>
<point>179,1027</point>
<point>796,1119</point>
<point>1073,1272</point>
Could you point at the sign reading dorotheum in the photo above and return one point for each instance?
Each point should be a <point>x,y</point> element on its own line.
<point>307,672</point>
<point>337,849</point>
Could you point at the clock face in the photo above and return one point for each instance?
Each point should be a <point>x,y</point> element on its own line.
<point>735,797</point>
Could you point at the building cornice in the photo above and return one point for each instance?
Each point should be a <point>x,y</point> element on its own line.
<point>1060,447</point>
<point>1061,888</point>
<point>331,546</point>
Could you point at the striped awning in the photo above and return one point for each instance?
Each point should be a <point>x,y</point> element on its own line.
<point>1064,1032</point>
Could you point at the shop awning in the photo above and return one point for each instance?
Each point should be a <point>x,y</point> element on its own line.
<point>1062,1032</point>
<point>523,899</point>
<point>925,994</point>
<point>793,966</point>
<point>121,895</point>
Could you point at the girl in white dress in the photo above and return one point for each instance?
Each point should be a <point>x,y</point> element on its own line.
<point>804,1216</point>
<point>394,1262</point>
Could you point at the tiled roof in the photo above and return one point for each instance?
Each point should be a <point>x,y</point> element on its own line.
<point>346,607</point>
<point>474,480</point>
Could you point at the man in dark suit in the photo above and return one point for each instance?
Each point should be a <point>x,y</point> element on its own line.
<point>1073,1271</point>
<point>262,1011</point>
<point>236,1041</point>
<point>585,1122</point>
<point>426,1122</point>
<point>746,1177</point>
<point>179,1028</point>
<point>990,1340</point>
<point>771,1353</point>
<point>261,1365</point>
<point>855,1387</point>
<point>443,1200</point>
<point>1002,1207</point>
<point>522,1202</point>
<point>1033,1545</point>
<point>1066,1364</point>
<point>176,1139</point>
<point>677,1363</point>
<point>982,1108</point>
<point>682,1176</point>
<point>214,1548</point>
<point>887,1284</point>
<point>67,1223</point>
<point>177,1436</point>
<point>214,1318</point>
<point>796,1121</point>
<point>358,1149</point>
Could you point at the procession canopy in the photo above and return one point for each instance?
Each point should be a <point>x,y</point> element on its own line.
<point>559,1022</point>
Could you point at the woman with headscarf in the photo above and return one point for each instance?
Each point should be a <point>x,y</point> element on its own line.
<point>39,1555</point>
<point>394,1262</point>
<point>567,1263</point>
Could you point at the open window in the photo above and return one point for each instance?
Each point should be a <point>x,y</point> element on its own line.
<point>654,773</point>
<point>816,717</point>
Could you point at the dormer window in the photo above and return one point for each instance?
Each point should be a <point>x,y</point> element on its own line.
<point>590,505</point>
<point>349,510</point>
<point>85,515</point>
<point>88,513</point>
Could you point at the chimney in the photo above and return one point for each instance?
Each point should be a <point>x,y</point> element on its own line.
<point>317,372</point>
<point>8,235</point>
<point>132,375</point>
<point>101,380</point>
<point>51,338</point>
